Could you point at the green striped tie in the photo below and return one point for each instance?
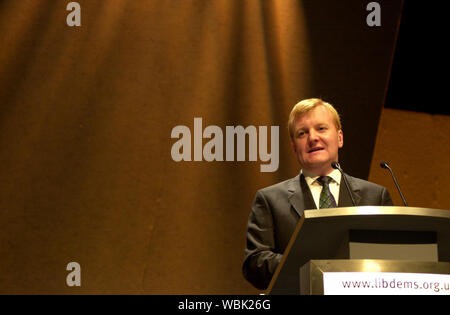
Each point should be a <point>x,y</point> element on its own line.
<point>326,198</point>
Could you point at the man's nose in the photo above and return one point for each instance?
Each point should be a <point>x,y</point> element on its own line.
<point>313,136</point>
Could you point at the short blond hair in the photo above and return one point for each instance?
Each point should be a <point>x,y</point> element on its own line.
<point>303,107</point>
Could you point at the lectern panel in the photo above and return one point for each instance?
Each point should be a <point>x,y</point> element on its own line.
<point>374,277</point>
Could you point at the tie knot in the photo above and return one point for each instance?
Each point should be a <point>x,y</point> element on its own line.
<point>324,180</point>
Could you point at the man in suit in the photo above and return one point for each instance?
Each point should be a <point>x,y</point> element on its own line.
<point>316,136</point>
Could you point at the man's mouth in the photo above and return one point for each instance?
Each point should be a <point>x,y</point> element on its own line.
<point>315,150</point>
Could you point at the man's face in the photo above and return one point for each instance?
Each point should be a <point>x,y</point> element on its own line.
<point>316,141</point>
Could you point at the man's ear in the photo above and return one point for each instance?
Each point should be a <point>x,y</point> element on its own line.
<point>293,146</point>
<point>340,139</point>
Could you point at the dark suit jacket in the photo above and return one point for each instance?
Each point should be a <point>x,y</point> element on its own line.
<point>274,216</point>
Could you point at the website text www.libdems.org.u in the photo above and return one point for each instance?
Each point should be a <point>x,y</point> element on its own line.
<point>386,283</point>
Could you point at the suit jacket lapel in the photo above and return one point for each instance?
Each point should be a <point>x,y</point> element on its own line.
<point>299,195</point>
<point>344,197</point>
<point>307,196</point>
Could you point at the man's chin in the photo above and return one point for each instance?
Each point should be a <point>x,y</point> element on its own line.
<point>318,161</point>
<point>318,166</point>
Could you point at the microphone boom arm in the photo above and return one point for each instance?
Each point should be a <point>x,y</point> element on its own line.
<point>386,166</point>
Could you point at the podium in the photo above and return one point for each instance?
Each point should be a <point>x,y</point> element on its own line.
<point>390,239</point>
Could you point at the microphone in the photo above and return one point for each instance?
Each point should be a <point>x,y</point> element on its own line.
<point>336,166</point>
<point>386,166</point>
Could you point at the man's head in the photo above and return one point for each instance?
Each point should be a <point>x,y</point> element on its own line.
<point>316,135</point>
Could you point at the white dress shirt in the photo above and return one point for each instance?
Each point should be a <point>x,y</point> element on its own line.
<point>316,187</point>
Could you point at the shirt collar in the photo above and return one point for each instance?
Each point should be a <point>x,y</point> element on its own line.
<point>312,178</point>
